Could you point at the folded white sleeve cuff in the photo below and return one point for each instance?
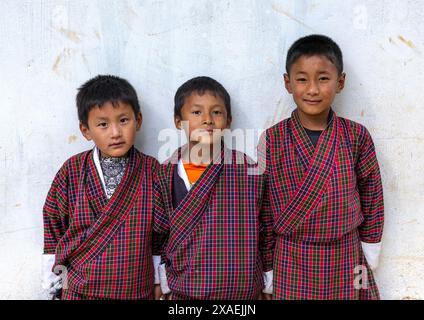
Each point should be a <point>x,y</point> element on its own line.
<point>47,275</point>
<point>156,263</point>
<point>371,253</point>
<point>163,279</point>
<point>268,278</point>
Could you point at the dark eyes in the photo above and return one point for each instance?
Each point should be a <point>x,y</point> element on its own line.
<point>320,79</point>
<point>104,125</point>
<point>216,112</point>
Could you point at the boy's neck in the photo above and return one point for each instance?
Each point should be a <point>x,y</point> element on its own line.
<point>200,155</point>
<point>317,122</point>
<point>103,156</point>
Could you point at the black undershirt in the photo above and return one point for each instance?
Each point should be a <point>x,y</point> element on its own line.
<point>313,135</point>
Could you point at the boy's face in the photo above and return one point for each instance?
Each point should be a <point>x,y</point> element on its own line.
<point>206,115</point>
<point>112,128</point>
<point>314,81</point>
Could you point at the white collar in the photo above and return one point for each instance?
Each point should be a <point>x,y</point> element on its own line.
<point>183,174</point>
<point>96,159</point>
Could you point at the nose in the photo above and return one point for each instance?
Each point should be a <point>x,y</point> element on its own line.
<point>116,130</point>
<point>207,119</point>
<point>313,88</point>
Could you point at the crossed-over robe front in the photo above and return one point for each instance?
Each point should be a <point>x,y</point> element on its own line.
<point>105,244</point>
<point>325,200</point>
<point>218,235</point>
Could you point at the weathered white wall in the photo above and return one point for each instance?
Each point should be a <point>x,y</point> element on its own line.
<point>48,48</point>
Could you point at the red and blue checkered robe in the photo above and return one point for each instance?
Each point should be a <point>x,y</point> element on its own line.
<point>106,245</point>
<point>219,238</point>
<point>325,200</point>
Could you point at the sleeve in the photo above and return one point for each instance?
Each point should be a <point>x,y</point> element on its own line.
<point>55,212</point>
<point>371,197</point>
<point>156,237</point>
<point>266,236</point>
<point>160,219</point>
<point>48,276</point>
<point>160,233</point>
<point>268,280</point>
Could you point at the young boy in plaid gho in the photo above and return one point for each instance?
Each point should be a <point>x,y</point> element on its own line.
<point>217,235</point>
<point>98,215</point>
<point>323,185</point>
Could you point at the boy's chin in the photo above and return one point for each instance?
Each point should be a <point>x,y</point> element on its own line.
<point>114,153</point>
<point>206,142</point>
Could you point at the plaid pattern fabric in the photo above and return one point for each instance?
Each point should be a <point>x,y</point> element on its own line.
<point>322,210</point>
<point>106,245</point>
<point>219,238</point>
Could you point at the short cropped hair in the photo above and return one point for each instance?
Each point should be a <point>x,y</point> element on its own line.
<point>102,89</point>
<point>313,45</point>
<point>200,85</point>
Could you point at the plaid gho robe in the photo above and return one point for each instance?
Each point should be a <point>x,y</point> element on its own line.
<point>325,200</point>
<point>219,238</point>
<point>106,245</point>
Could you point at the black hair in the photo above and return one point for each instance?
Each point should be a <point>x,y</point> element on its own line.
<point>102,89</point>
<point>312,45</point>
<point>200,85</point>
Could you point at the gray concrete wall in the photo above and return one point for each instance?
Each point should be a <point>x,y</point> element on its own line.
<point>49,48</point>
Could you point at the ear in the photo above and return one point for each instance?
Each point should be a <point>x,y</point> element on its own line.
<point>287,83</point>
<point>341,82</point>
<point>229,121</point>
<point>139,120</point>
<point>177,122</point>
<point>85,131</point>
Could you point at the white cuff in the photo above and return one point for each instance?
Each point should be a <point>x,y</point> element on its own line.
<point>268,278</point>
<point>371,253</point>
<point>47,274</point>
<point>156,263</point>
<point>163,279</point>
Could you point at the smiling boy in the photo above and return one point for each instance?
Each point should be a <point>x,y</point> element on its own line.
<point>98,213</point>
<point>323,185</point>
<point>217,233</point>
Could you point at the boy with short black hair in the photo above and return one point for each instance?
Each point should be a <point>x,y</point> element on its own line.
<point>209,208</point>
<point>98,213</point>
<point>323,185</point>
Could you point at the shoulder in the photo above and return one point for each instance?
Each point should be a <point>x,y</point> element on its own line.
<point>239,157</point>
<point>277,128</point>
<point>272,139</point>
<point>150,161</point>
<point>357,132</point>
<point>149,164</point>
<point>74,162</point>
<point>70,169</point>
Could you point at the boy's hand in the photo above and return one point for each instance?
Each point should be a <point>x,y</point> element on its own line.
<point>157,292</point>
<point>167,296</point>
<point>266,296</point>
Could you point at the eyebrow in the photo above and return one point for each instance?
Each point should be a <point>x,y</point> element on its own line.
<point>118,116</point>
<point>303,72</point>
<point>101,118</point>
<point>214,106</point>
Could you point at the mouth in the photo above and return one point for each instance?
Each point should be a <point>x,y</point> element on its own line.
<point>312,102</point>
<point>209,131</point>
<point>116,145</point>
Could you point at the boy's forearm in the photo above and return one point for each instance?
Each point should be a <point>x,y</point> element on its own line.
<point>372,204</point>
<point>266,236</point>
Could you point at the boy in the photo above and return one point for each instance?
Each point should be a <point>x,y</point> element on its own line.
<point>98,213</point>
<point>208,207</point>
<point>323,185</point>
